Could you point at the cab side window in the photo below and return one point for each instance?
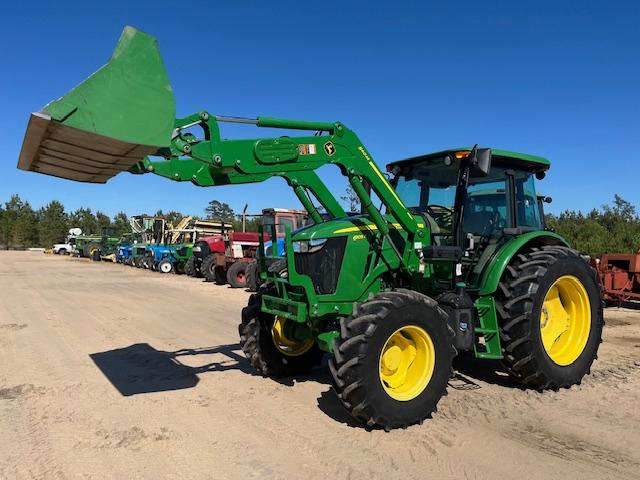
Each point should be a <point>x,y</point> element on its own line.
<point>527,208</point>
<point>486,212</point>
<point>285,220</point>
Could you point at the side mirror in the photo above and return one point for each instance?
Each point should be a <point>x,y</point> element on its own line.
<point>481,162</point>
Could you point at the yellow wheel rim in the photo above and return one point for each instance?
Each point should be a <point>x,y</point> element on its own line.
<point>565,320</point>
<point>407,363</point>
<point>290,348</point>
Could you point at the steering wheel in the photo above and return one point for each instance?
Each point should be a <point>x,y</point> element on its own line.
<point>441,214</point>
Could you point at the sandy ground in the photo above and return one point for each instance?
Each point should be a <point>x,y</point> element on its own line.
<point>111,372</point>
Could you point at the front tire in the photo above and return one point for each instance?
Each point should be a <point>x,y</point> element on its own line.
<point>550,313</point>
<point>165,266</point>
<point>268,350</point>
<point>392,360</point>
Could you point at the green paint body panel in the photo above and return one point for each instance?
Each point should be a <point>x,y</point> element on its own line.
<point>283,307</point>
<point>140,110</point>
<point>496,267</point>
<point>488,334</point>
<point>130,100</point>
<point>189,252</point>
<point>325,340</point>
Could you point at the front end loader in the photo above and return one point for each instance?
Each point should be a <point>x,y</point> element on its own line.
<point>453,259</point>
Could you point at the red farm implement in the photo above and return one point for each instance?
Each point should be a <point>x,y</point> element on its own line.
<point>619,275</point>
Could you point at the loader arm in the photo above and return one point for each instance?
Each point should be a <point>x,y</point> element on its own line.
<point>212,161</point>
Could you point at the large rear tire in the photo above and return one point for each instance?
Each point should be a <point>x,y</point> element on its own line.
<point>208,267</point>
<point>253,277</point>
<point>95,254</point>
<point>263,342</point>
<point>550,312</point>
<point>392,360</point>
<point>189,267</point>
<point>237,275</point>
<point>87,250</point>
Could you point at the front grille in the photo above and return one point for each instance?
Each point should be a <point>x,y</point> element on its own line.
<point>182,251</point>
<point>323,265</point>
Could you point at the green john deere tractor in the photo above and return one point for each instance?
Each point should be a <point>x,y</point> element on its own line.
<point>451,258</point>
<point>97,247</point>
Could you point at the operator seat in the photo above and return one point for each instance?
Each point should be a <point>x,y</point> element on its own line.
<point>434,228</point>
<point>477,223</point>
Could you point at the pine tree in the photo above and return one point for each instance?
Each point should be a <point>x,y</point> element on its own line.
<point>52,224</point>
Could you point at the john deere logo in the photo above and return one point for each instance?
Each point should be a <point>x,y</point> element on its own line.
<point>330,148</point>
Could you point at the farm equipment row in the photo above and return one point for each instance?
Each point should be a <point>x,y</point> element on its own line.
<point>203,248</point>
<point>452,257</point>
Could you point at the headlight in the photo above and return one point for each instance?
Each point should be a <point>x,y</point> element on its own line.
<point>197,248</point>
<point>309,246</point>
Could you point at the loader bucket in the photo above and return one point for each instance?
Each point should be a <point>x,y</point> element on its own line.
<point>109,122</point>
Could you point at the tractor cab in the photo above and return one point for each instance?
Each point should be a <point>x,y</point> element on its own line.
<point>280,217</point>
<point>475,208</point>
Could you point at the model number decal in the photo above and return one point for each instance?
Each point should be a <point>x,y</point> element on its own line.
<point>307,149</point>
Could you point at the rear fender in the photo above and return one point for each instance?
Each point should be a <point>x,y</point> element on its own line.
<point>492,273</point>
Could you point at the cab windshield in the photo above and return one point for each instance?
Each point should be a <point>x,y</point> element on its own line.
<point>429,189</point>
<point>269,219</point>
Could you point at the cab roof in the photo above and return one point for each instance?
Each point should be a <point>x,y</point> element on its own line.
<point>515,159</point>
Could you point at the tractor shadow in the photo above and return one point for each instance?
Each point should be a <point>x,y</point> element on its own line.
<point>626,305</point>
<point>469,369</point>
<point>140,368</point>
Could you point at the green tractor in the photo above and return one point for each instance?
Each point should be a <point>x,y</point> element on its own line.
<point>449,257</point>
<point>98,247</point>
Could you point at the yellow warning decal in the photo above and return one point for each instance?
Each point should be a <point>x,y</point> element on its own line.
<point>364,228</point>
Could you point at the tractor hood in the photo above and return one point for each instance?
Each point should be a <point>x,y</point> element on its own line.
<point>344,226</point>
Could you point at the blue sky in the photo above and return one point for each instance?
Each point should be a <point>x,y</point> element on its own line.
<point>558,79</point>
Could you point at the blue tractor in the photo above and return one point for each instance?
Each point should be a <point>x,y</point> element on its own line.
<point>124,248</point>
<point>175,248</point>
<point>160,258</point>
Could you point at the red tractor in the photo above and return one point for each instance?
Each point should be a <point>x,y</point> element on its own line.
<point>227,258</point>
